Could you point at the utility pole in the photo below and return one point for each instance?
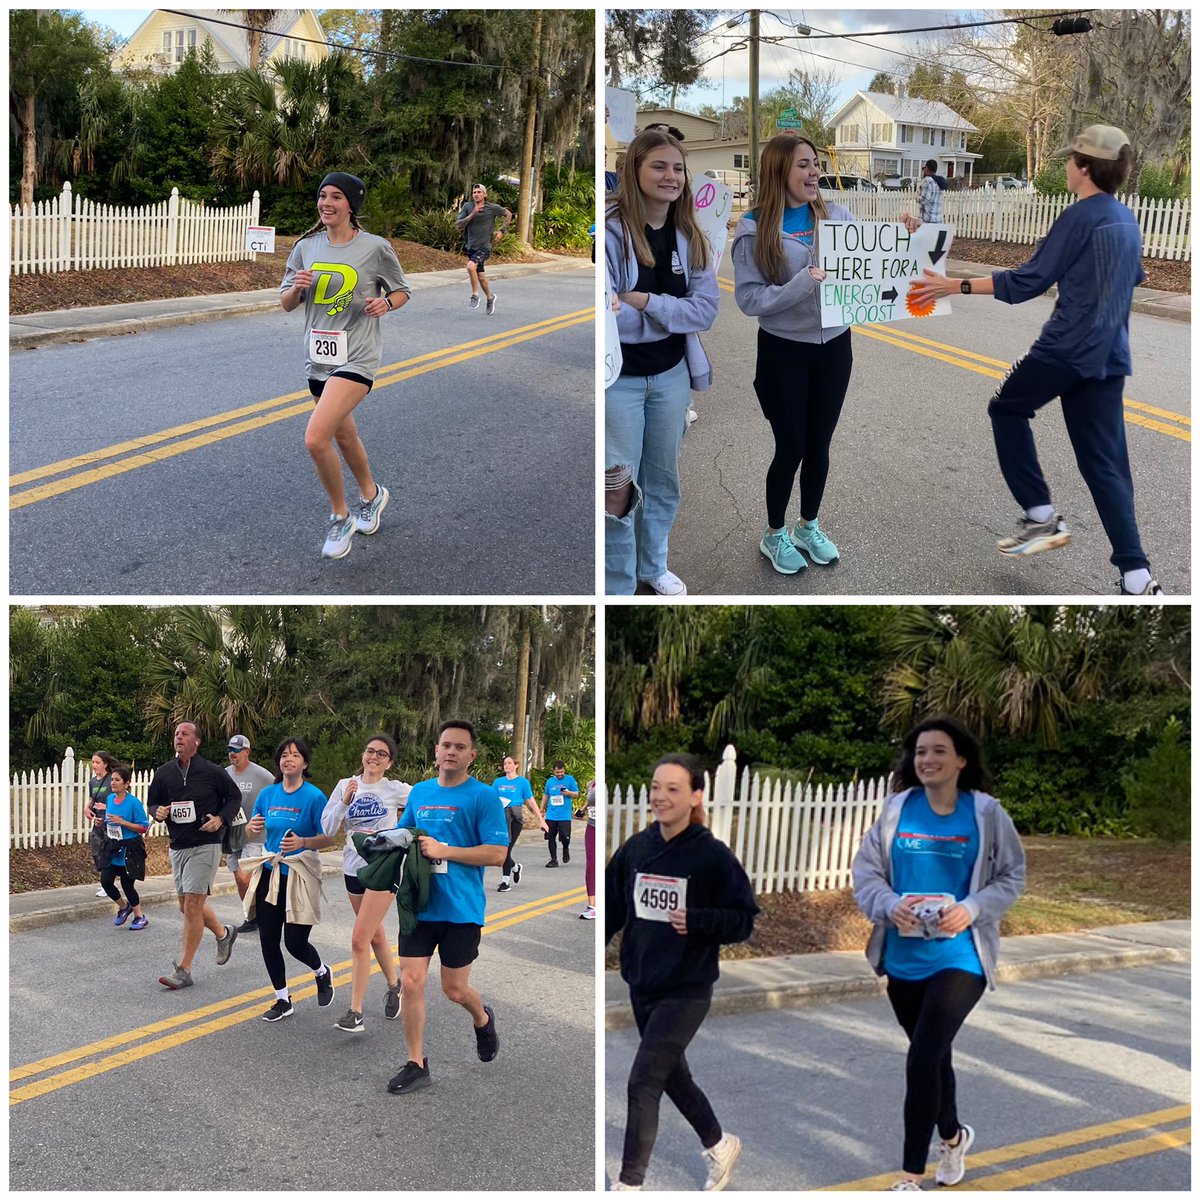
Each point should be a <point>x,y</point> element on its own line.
<point>754,104</point>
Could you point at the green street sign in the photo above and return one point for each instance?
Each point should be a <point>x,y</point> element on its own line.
<point>788,114</point>
<point>788,123</point>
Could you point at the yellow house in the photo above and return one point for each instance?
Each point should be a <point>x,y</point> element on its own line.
<point>163,40</point>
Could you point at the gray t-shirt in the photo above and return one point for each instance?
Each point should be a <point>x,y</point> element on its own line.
<point>250,782</point>
<point>482,225</point>
<point>348,275</point>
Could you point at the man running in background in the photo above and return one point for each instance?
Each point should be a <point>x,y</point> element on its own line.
<point>559,798</point>
<point>250,779</point>
<point>478,218</point>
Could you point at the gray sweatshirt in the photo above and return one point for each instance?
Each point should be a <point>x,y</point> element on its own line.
<point>789,310</point>
<point>997,878</point>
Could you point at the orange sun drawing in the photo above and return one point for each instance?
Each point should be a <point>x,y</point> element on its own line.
<point>918,308</point>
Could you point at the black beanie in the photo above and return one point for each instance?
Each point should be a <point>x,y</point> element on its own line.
<point>351,187</point>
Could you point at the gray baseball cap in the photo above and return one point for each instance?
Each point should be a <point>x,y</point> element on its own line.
<point>1097,141</point>
<point>239,741</point>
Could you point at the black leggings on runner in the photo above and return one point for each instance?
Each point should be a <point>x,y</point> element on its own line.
<point>272,925</point>
<point>667,1025</point>
<point>516,822</point>
<point>931,1011</point>
<point>561,830</point>
<point>108,879</point>
<point>800,388</point>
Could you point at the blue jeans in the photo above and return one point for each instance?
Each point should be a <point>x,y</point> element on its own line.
<point>645,417</point>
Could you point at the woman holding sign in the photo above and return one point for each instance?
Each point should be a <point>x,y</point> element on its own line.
<point>346,279</point>
<point>676,895</point>
<point>935,874</point>
<point>665,282</point>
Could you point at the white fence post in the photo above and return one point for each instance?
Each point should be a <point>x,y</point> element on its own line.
<point>66,203</point>
<point>173,228</point>
<point>723,786</point>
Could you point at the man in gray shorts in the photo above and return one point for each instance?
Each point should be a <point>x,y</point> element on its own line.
<point>198,801</point>
<point>250,779</point>
<point>478,218</point>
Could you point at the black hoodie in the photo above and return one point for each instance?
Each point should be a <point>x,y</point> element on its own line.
<point>655,960</point>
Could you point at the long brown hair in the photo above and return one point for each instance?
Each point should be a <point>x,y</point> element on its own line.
<point>630,206</point>
<point>775,164</point>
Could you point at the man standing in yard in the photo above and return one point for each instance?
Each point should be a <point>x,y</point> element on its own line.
<point>930,194</point>
<point>198,801</point>
<point>478,218</point>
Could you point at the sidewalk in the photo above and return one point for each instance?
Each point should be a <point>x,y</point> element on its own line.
<point>796,980</point>
<point>36,910</point>
<point>31,330</point>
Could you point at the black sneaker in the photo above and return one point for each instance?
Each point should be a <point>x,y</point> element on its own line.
<point>248,926</point>
<point>325,988</point>
<point>487,1040</point>
<point>552,863</point>
<point>279,1010</point>
<point>225,945</point>
<point>566,855</point>
<point>516,873</point>
<point>505,886</point>
<point>412,1078</point>
<point>351,1022</point>
<point>391,1002</point>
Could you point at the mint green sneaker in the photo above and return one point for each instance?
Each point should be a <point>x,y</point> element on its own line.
<point>785,558</point>
<point>814,543</point>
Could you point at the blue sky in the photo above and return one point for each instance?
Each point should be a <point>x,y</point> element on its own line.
<point>123,20</point>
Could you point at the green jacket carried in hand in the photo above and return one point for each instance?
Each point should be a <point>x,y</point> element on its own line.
<point>400,869</point>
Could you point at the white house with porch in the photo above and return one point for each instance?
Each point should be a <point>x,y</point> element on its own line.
<point>880,135</point>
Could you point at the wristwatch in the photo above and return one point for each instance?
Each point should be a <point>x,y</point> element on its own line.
<point>965,287</point>
<point>388,301</point>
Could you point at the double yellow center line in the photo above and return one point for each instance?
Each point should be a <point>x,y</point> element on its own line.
<point>136,1044</point>
<point>69,474</point>
<point>1160,420</point>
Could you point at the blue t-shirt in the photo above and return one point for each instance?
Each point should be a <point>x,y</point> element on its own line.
<point>129,809</point>
<point>300,811</point>
<point>932,853</point>
<point>798,223</point>
<point>1094,253</point>
<point>513,791</point>
<point>558,806</point>
<point>469,814</point>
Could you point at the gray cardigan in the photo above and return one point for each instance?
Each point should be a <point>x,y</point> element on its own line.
<point>997,878</point>
<point>789,310</point>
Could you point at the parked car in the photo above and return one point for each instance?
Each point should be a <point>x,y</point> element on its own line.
<point>846,183</point>
<point>899,183</point>
<point>1012,183</point>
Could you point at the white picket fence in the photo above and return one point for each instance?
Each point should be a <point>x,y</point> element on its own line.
<point>46,807</point>
<point>1009,216</point>
<point>69,233</point>
<point>789,837</point>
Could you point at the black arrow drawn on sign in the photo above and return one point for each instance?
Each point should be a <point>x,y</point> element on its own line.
<point>890,294</point>
<point>938,251</point>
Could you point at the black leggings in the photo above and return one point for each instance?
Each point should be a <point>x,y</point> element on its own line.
<point>800,388</point>
<point>561,830</point>
<point>931,1011</point>
<point>272,925</point>
<point>667,1025</point>
<point>108,879</point>
<point>516,822</point>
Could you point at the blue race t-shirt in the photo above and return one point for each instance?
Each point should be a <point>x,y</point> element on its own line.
<point>558,806</point>
<point>129,809</point>
<point>513,791</point>
<point>300,811</point>
<point>798,223</point>
<point>469,814</point>
<point>932,853</point>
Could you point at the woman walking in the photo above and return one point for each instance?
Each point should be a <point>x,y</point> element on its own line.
<point>126,823</point>
<point>676,895</point>
<point>935,874</point>
<point>347,279</point>
<point>666,284</point>
<point>365,803</point>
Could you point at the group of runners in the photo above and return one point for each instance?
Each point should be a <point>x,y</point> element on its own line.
<point>422,848</point>
<point>666,295</point>
<point>934,875</point>
<point>347,280</point>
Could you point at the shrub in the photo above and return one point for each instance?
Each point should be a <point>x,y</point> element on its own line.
<point>1155,184</point>
<point>387,208</point>
<point>1157,787</point>
<point>1052,180</point>
<point>290,212</point>
<point>435,227</point>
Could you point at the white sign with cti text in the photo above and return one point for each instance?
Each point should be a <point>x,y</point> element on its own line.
<point>870,267</point>
<point>260,239</point>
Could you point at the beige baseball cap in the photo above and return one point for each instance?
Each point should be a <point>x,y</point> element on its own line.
<point>1098,141</point>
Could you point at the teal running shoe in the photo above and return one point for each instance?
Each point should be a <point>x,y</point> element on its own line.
<point>814,543</point>
<point>785,558</point>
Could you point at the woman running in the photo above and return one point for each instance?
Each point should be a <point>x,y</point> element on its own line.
<point>346,279</point>
<point>98,788</point>
<point>589,854</point>
<point>365,803</point>
<point>126,823</point>
<point>516,795</point>
<point>289,814</point>
<point>665,281</point>
<point>935,874</point>
<point>676,894</point>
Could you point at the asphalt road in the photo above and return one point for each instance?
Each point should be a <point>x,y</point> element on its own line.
<point>915,499</point>
<point>194,1091</point>
<point>1079,1083</point>
<point>486,446</point>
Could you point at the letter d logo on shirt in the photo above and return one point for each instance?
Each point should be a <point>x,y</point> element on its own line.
<point>349,277</point>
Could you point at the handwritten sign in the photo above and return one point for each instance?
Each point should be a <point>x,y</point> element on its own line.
<point>713,200</point>
<point>260,239</point>
<point>620,113</point>
<point>612,339</point>
<point>871,267</point>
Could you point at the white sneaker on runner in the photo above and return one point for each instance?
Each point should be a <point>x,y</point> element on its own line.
<point>720,1159</point>
<point>952,1160</point>
<point>339,537</point>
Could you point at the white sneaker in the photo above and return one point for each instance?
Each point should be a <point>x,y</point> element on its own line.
<point>905,1185</point>
<point>366,517</point>
<point>625,1187</point>
<point>721,1158</point>
<point>667,584</point>
<point>339,537</point>
<point>693,415</point>
<point>588,914</point>
<point>952,1160</point>
<point>100,892</point>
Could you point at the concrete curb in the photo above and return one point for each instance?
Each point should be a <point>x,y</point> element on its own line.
<point>70,328</point>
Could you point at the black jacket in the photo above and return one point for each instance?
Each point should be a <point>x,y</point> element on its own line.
<point>655,960</point>
<point>211,789</point>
